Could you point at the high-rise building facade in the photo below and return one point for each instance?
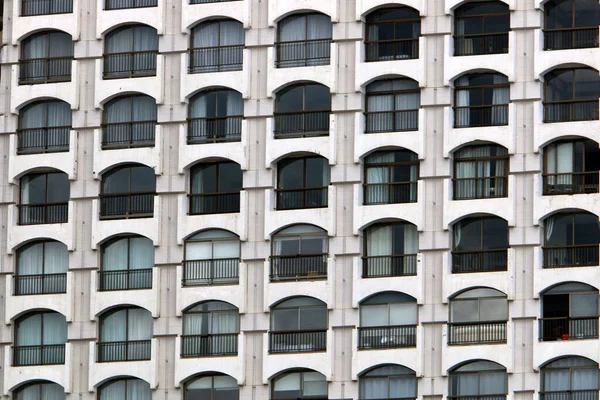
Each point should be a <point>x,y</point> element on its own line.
<point>299,199</point>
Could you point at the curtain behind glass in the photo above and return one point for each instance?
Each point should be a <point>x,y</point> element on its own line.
<point>29,331</point>
<point>500,96</point>
<point>378,178</point>
<point>463,117</point>
<point>32,48</point>
<point>138,389</point>
<point>113,328</point>
<point>55,328</point>
<point>113,391</point>
<point>56,258</point>
<point>139,324</point>
<point>30,260</point>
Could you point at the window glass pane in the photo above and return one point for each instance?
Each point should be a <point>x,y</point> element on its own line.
<point>587,83</point>
<point>317,172</point>
<point>114,326</point>
<point>114,390</point>
<point>33,189</point>
<point>227,249</point>
<point>56,260</point>
<point>493,310</point>
<point>291,174</point>
<point>29,330</point>
<point>584,379</point>
<point>559,230</point>
<point>286,246</point>
<point>287,386</point>
<point>584,305</point>
<point>230,177</point>
<point>313,319</point>
<point>403,314</point>
<point>55,328</point>
<point>198,251</point>
<point>138,389</point>
<point>375,315</point>
<point>285,320</point>
<point>587,13</point>
<point>317,97</point>
<point>559,85</point>
<point>30,259</point>
<point>495,233</point>
<point>467,385</point>
<point>465,311</point>
<point>139,324</point>
<point>312,245</point>
<point>291,99</point>
<point>468,235</point>
<point>556,380</point>
<point>117,181</point>
<point>314,384</point>
<point>586,229</point>
<point>374,388</point>
<point>559,14</point>
<point>58,188</point>
<point>142,179</point>
<point>492,383</point>
<point>403,387</point>
<point>497,24</point>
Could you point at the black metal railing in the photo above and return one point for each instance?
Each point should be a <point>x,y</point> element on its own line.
<point>133,205</point>
<point>486,115</point>
<point>128,279</point>
<point>40,284</point>
<point>479,261</point>
<point>570,395</point>
<point>479,397</point>
<point>570,111</point>
<point>392,121</point>
<point>387,266</point>
<point>45,70</point>
<point>121,4</point>
<point>479,44</point>
<point>209,1</point>
<point>571,183</point>
<point>123,135</point>
<point>211,272</point>
<point>484,332</point>
<point>568,328</point>
<point>46,354</point>
<point>133,350</point>
<point>303,53</point>
<point>480,188</point>
<point>214,203</point>
<point>578,255</point>
<point>301,124</point>
<point>216,59</point>
<point>45,7</point>
<point>224,344</point>
<point>215,129</point>
<point>387,337</point>
<point>289,199</point>
<point>570,38</point>
<point>395,49</point>
<point>43,140</point>
<point>49,213</point>
<point>297,341</point>
<point>298,267</point>
<point>389,193</point>
<point>130,64</point>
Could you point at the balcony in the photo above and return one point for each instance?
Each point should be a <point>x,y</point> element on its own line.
<point>583,255</point>
<point>479,116</point>
<point>570,395</point>
<point>48,213</point>
<point>567,328</point>
<point>127,135</point>
<point>303,53</point>
<point>480,44</point>
<point>18,375</point>
<point>479,397</point>
<point>292,199</point>
<point>570,183</point>
<point>38,355</point>
<point>209,345</point>
<point>45,70</point>
<point>299,267</point>
<point>297,341</point>
<point>394,121</point>
<point>570,38</point>
<point>396,49</point>
<point>43,140</point>
<point>209,1</point>
<point>301,124</point>
<point>387,337</point>
<point>479,261</point>
<point>570,111</point>
<point>480,188</point>
<point>131,279</point>
<point>214,203</point>
<point>133,350</point>
<point>214,129</point>
<point>123,4</point>
<point>130,205</point>
<point>39,284</point>
<point>224,271</point>
<point>390,193</point>
<point>130,64</point>
<point>32,15</point>
<point>389,266</point>
<point>487,332</point>
<point>216,59</point>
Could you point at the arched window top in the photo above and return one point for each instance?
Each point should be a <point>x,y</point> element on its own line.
<point>47,38</point>
<point>485,307</point>
<point>131,33</point>
<point>299,301</point>
<point>212,234</point>
<point>45,329</point>
<point>216,102</point>
<point>127,263</point>
<point>304,27</point>
<point>570,239</point>
<point>307,96</point>
<point>568,362</point>
<point>480,365</point>
<point>129,178</point>
<point>218,32</point>
<point>390,14</point>
<point>572,84</point>
<point>130,107</point>
<point>563,375</point>
<point>39,390</point>
<point>301,229</point>
<point>479,8</point>
<point>211,305</point>
<point>564,14</point>
<point>46,57</point>
<point>479,293</point>
<point>392,85</point>
<point>388,370</point>
<point>125,334</point>
<point>481,79</point>
<point>211,386</point>
<point>388,297</point>
<point>480,151</point>
<point>391,156</point>
<point>570,287</point>
<point>392,33</point>
<point>124,388</point>
<point>215,187</point>
<point>299,384</point>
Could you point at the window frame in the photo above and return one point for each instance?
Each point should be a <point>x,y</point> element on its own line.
<point>118,379</point>
<point>16,394</point>
<point>213,137</point>
<point>365,376</point>
<point>131,123</point>
<point>479,108</point>
<point>390,165</point>
<point>370,94</point>
<point>220,48</point>
<point>483,17</point>
<point>572,28</point>
<point>46,128</point>
<point>300,371</point>
<point>131,72</point>
<point>481,161</point>
<point>395,40</point>
<point>212,375</point>
<point>303,61</point>
<point>47,60</point>
<point>455,373</point>
<point>127,209</point>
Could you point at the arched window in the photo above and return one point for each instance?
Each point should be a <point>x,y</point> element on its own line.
<point>388,382</point>
<point>392,105</point>
<point>130,51</point>
<point>299,384</point>
<point>303,40</point>
<point>39,390</point>
<point>210,328</point>
<point>129,121</point>
<point>478,316</point>
<point>388,320</point>
<point>215,188</point>
<point>571,167</point>
<point>571,94</point>
<point>217,46</point>
<point>125,335</point>
<point>569,311</point>
<point>41,268</point>
<point>302,110</point>
<point>46,57</point>
<point>128,192</point>
<point>299,252</point>
<point>481,100</point>
<point>302,182</point>
<point>127,388</point>
<point>390,249</point>
<point>40,339</point>
<point>571,240</point>
<point>127,263</point>
<point>392,34</point>
<point>576,377</point>
<point>391,177</point>
<point>212,257</point>
<point>33,7</point>
<point>478,378</point>
<point>571,24</point>
<point>211,386</point>
<point>481,28</point>
<point>480,245</point>
<point>44,198</point>
<point>480,172</point>
<point>298,324</point>
<point>44,127</point>
<point>215,116</point>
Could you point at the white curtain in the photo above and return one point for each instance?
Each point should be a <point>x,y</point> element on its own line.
<point>32,48</point>
<point>139,324</point>
<point>137,389</point>
<point>199,251</point>
<point>232,33</point>
<point>564,163</point>
<point>40,391</point>
<point>143,109</point>
<point>114,327</point>
<point>318,27</point>
<point>378,178</point>
<point>113,391</point>
<point>55,328</point>
<point>375,388</point>
<point>403,387</point>
<point>403,314</point>
<point>225,322</point>
<point>29,331</point>
<point>383,118</point>
<point>292,29</point>
<point>549,225</point>
<point>500,97</point>
<point>411,246</point>
<point>114,256</point>
<point>463,116</point>
<point>374,315</point>
<point>314,384</point>
<point>141,253</point>
<point>30,260</point>
<point>379,240</point>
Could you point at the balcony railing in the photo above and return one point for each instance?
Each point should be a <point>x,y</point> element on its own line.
<point>45,7</point>
<point>568,328</point>
<point>215,129</point>
<point>43,140</point>
<point>571,183</point>
<point>571,111</point>
<point>214,203</point>
<point>479,261</point>
<point>480,188</point>
<point>297,341</point>
<point>290,199</point>
<point>128,279</point>
<point>479,397</point>
<point>570,38</point>
<point>298,267</point>
<point>45,70</point>
<point>216,59</point>
<point>477,332</point>
<point>387,337</point>
<point>211,272</point>
<point>480,44</point>
<point>387,266</point>
<point>209,1</point>
<point>301,124</point>
<point>225,344</point>
<point>303,53</point>
<point>49,213</point>
<point>40,284</point>
<point>134,350</point>
<point>570,395</point>
<point>133,205</point>
<point>485,115</point>
<point>124,135</point>
<point>46,354</point>
<point>389,193</point>
<point>388,50</point>
<point>579,255</point>
<point>392,121</point>
<point>130,64</point>
<point>121,4</point>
